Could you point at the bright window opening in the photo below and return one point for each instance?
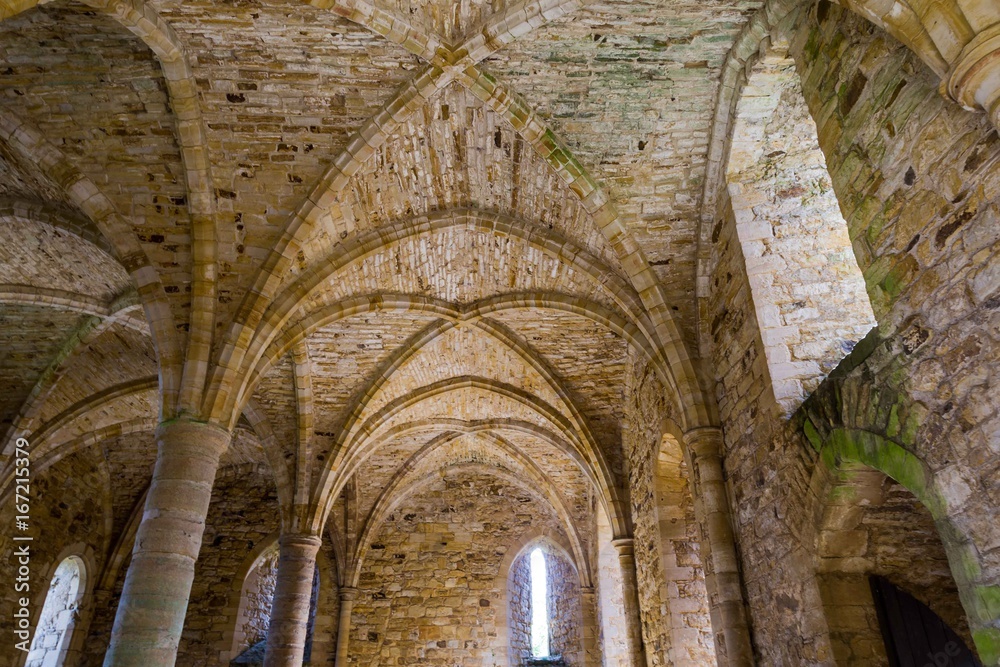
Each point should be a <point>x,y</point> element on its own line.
<point>539,606</point>
<point>55,625</point>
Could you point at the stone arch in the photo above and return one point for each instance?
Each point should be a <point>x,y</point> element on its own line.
<point>509,630</point>
<point>976,589</point>
<point>51,456</point>
<point>402,486</point>
<point>368,427</point>
<point>458,426</point>
<point>354,442</point>
<point>91,403</point>
<point>869,525</point>
<point>452,313</point>
<point>29,414</point>
<point>56,216</point>
<point>694,404</point>
<point>408,489</point>
<point>83,275</point>
<point>248,341</point>
<point>561,413</point>
<point>145,23</point>
<point>809,295</point>
<point>477,556</point>
<point>250,610</point>
<point>610,596</point>
<point>905,20</point>
<point>30,143</point>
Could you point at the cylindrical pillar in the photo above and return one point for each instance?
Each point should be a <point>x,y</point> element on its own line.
<point>290,606</point>
<point>150,615</point>
<point>630,595</point>
<point>591,648</point>
<point>722,568</point>
<point>347,597</point>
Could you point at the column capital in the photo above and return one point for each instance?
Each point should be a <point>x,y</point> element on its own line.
<point>624,545</point>
<point>973,81</point>
<point>313,542</point>
<point>187,422</point>
<point>348,593</point>
<point>704,441</point>
<point>202,439</point>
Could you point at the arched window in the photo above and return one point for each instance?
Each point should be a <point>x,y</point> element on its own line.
<point>809,294</point>
<point>539,606</point>
<point>545,614</point>
<point>59,615</point>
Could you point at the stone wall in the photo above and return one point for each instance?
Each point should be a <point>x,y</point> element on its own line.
<point>874,526</point>
<point>681,556</point>
<point>913,177</point>
<point>640,441</point>
<point>258,591</point>
<point>429,584</point>
<point>70,504</point>
<point>810,298</point>
<point>244,511</point>
<point>673,598</point>
<point>565,613</point>
<point>519,610</point>
<point>53,631</point>
<point>917,180</point>
<point>608,587</point>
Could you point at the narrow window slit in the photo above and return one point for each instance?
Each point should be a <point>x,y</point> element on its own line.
<point>539,606</point>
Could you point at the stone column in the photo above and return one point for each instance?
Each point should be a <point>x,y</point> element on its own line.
<point>974,77</point>
<point>591,650</point>
<point>347,597</point>
<point>150,615</point>
<point>630,594</point>
<point>722,576</point>
<point>288,629</point>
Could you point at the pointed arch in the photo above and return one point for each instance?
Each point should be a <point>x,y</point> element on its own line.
<point>402,486</point>
<point>279,314</point>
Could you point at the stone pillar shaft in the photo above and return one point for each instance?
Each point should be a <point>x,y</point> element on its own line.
<point>591,649</point>
<point>289,625</point>
<point>154,601</point>
<point>630,595</point>
<point>347,597</point>
<point>723,576</point>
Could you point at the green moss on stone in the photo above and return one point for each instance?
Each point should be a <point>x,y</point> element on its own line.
<point>987,642</point>
<point>812,435</point>
<point>988,598</point>
<point>892,426</point>
<point>915,418</point>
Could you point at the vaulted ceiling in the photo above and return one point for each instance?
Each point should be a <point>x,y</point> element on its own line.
<point>394,237</point>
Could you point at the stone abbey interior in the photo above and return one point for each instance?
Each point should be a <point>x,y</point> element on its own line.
<point>608,333</point>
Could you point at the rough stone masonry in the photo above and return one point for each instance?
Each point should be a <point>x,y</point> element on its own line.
<point>318,318</point>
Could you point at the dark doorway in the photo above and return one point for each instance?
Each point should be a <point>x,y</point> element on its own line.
<point>914,635</point>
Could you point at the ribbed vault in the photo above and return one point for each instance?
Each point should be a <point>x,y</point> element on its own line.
<point>392,247</point>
